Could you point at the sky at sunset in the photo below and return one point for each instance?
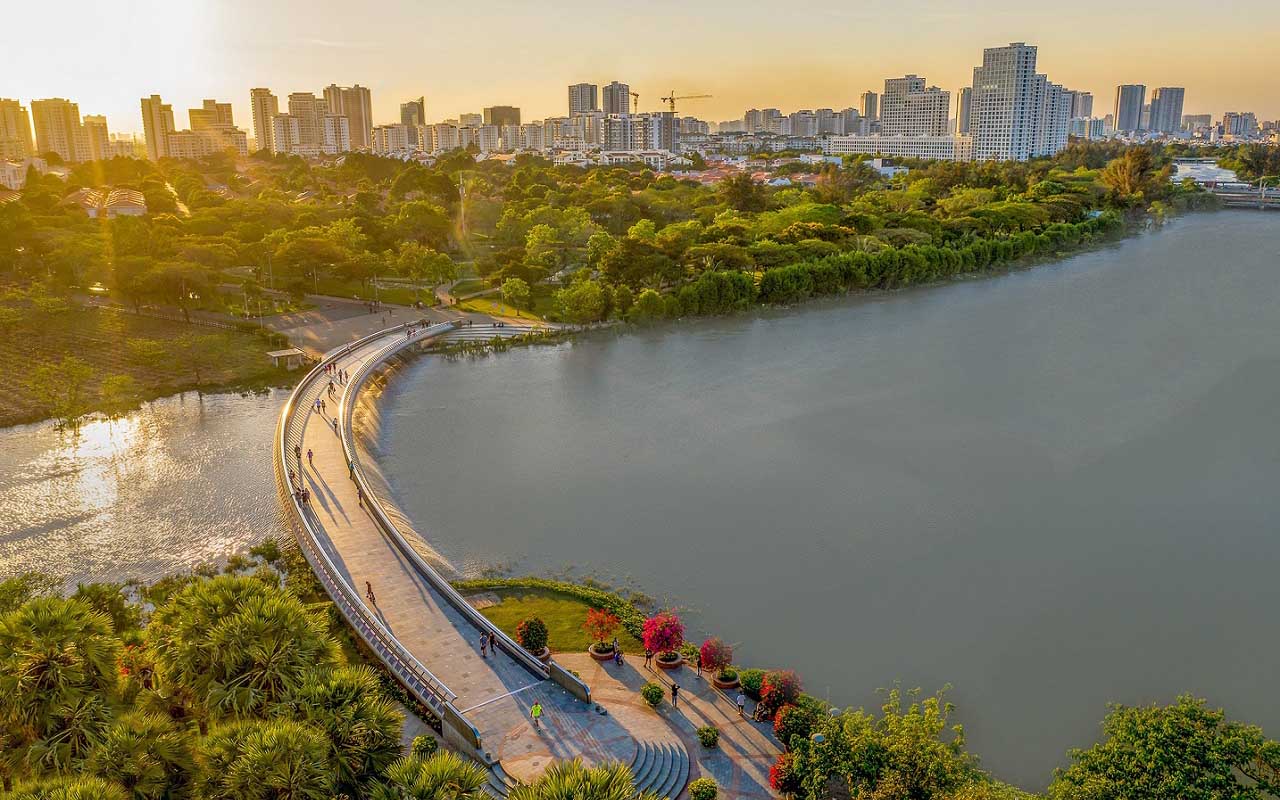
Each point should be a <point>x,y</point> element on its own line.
<point>462,56</point>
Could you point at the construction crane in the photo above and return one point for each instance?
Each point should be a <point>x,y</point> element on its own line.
<point>635,103</point>
<point>671,99</point>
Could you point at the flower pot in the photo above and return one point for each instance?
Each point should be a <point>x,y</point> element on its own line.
<point>598,656</point>
<point>544,656</point>
<point>733,684</point>
<point>670,665</point>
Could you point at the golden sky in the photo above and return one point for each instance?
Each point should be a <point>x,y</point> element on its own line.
<point>463,56</point>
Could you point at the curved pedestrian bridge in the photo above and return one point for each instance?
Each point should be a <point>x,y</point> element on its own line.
<point>416,623</point>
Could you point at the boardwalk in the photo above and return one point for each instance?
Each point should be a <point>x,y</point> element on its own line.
<point>424,631</point>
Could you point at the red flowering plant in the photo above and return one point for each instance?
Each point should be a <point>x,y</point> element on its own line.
<point>601,626</point>
<point>783,777</point>
<point>717,655</point>
<point>663,634</point>
<point>532,635</point>
<point>777,690</point>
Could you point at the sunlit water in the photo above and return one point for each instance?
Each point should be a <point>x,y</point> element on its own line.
<point>184,481</point>
<point>1053,489</point>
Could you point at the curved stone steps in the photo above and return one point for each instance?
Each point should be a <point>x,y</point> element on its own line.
<point>658,767</point>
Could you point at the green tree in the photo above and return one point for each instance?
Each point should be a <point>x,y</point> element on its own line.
<point>741,193</point>
<point>440,775</point>
<point>360,723</point>
<point>59,388</point>
<point>258,760</point>
<point>572,780</point>
<point>57,680</point>
<point>146,754</point>
<point>648,306</point>
<point>68,788</point>
<point>581,302</point>
<point>1130,174</point>
<point>198,354</point>
<point>1185,750</point>
<point>236,645</point>
<point>515,292</point>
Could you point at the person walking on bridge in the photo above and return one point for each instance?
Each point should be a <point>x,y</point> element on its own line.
<point>309,454</point>
<point>675,695</point>
<point>535,714</point>
<point>368,592</point>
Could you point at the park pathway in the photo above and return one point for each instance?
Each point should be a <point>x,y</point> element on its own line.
<point>419,623</point>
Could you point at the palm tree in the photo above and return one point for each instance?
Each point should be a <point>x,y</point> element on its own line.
<point>257,760</point>
<point>573,780</point>
<point>441,776</point>
<point>361,724</point>
<point>69,788</point>
<point>58,673</point>
<point>146,754</point>
<point>237,645</point>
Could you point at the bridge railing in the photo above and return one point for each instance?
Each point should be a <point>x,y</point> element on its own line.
<point>561,676</point>
<point>419,680</point>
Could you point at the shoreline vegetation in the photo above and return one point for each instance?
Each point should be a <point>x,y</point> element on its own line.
<point>168,690</point>
<point>572,245</point>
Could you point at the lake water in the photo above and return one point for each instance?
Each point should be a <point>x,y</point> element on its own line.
<point>1052,489</point>
<point>186,480</point>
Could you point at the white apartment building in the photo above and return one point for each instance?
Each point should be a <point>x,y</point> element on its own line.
<point>309,110</point>
<point>394,139</point>
<point>444,137</point>
<point>943,148</point>
<point>157,124</point>
<point>910,108</point>
<point>511,138</point>
<point>356,104</point>
<point>1053,119</point>
<point>532,136</point>
<point>583,98</point>
<point>263,106</point>
<point>426,141</point>
<point>488,138</point>
<point>286,134</point>
<point>1006,104</point>
<point>336,134</point>
<point>96,137</point>
<point>15,131</point>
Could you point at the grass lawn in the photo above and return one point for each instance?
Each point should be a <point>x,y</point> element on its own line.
<point>563,615</point>
<point>497,308</point>
<point>468,286</point>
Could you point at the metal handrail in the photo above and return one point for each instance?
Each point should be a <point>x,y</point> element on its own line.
<point>362,373</point>
<point>425,685</point>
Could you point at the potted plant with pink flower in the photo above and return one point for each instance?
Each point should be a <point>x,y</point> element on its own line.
<point>663,635</point>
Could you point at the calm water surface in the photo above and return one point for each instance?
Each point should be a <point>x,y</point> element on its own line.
<point>1052,489</point>
<point>185,480</point>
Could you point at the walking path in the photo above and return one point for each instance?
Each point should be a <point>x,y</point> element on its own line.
<point>432,639</point>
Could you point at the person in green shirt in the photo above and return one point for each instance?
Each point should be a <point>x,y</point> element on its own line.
<point>536,714</point>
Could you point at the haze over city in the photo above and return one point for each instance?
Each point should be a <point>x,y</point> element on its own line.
<point>812,53</point>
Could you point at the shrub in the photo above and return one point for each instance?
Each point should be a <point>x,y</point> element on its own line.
<point>791,721</point>
<point>690,652</point>
<point>728,675</point>
<point>268,551</point>
<point>752,680</point>
<point>782,775</point>
<point>652,694</point>
<point>424,745</point>
<point>709,735</point>
<point>663,633</point>
<point>716,654</point>
<point>601,626</point>
<point>532,634</point>
<point>778,689</point>
<point>703,789</point>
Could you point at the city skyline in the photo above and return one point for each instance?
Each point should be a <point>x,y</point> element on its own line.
<point>313,53</point>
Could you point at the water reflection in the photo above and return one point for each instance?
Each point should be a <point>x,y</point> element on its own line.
<point>185,480</point>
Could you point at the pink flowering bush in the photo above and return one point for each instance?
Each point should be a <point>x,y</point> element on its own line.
<point>663,633</point>
<point>716,654</point>
<point>777,690</point>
